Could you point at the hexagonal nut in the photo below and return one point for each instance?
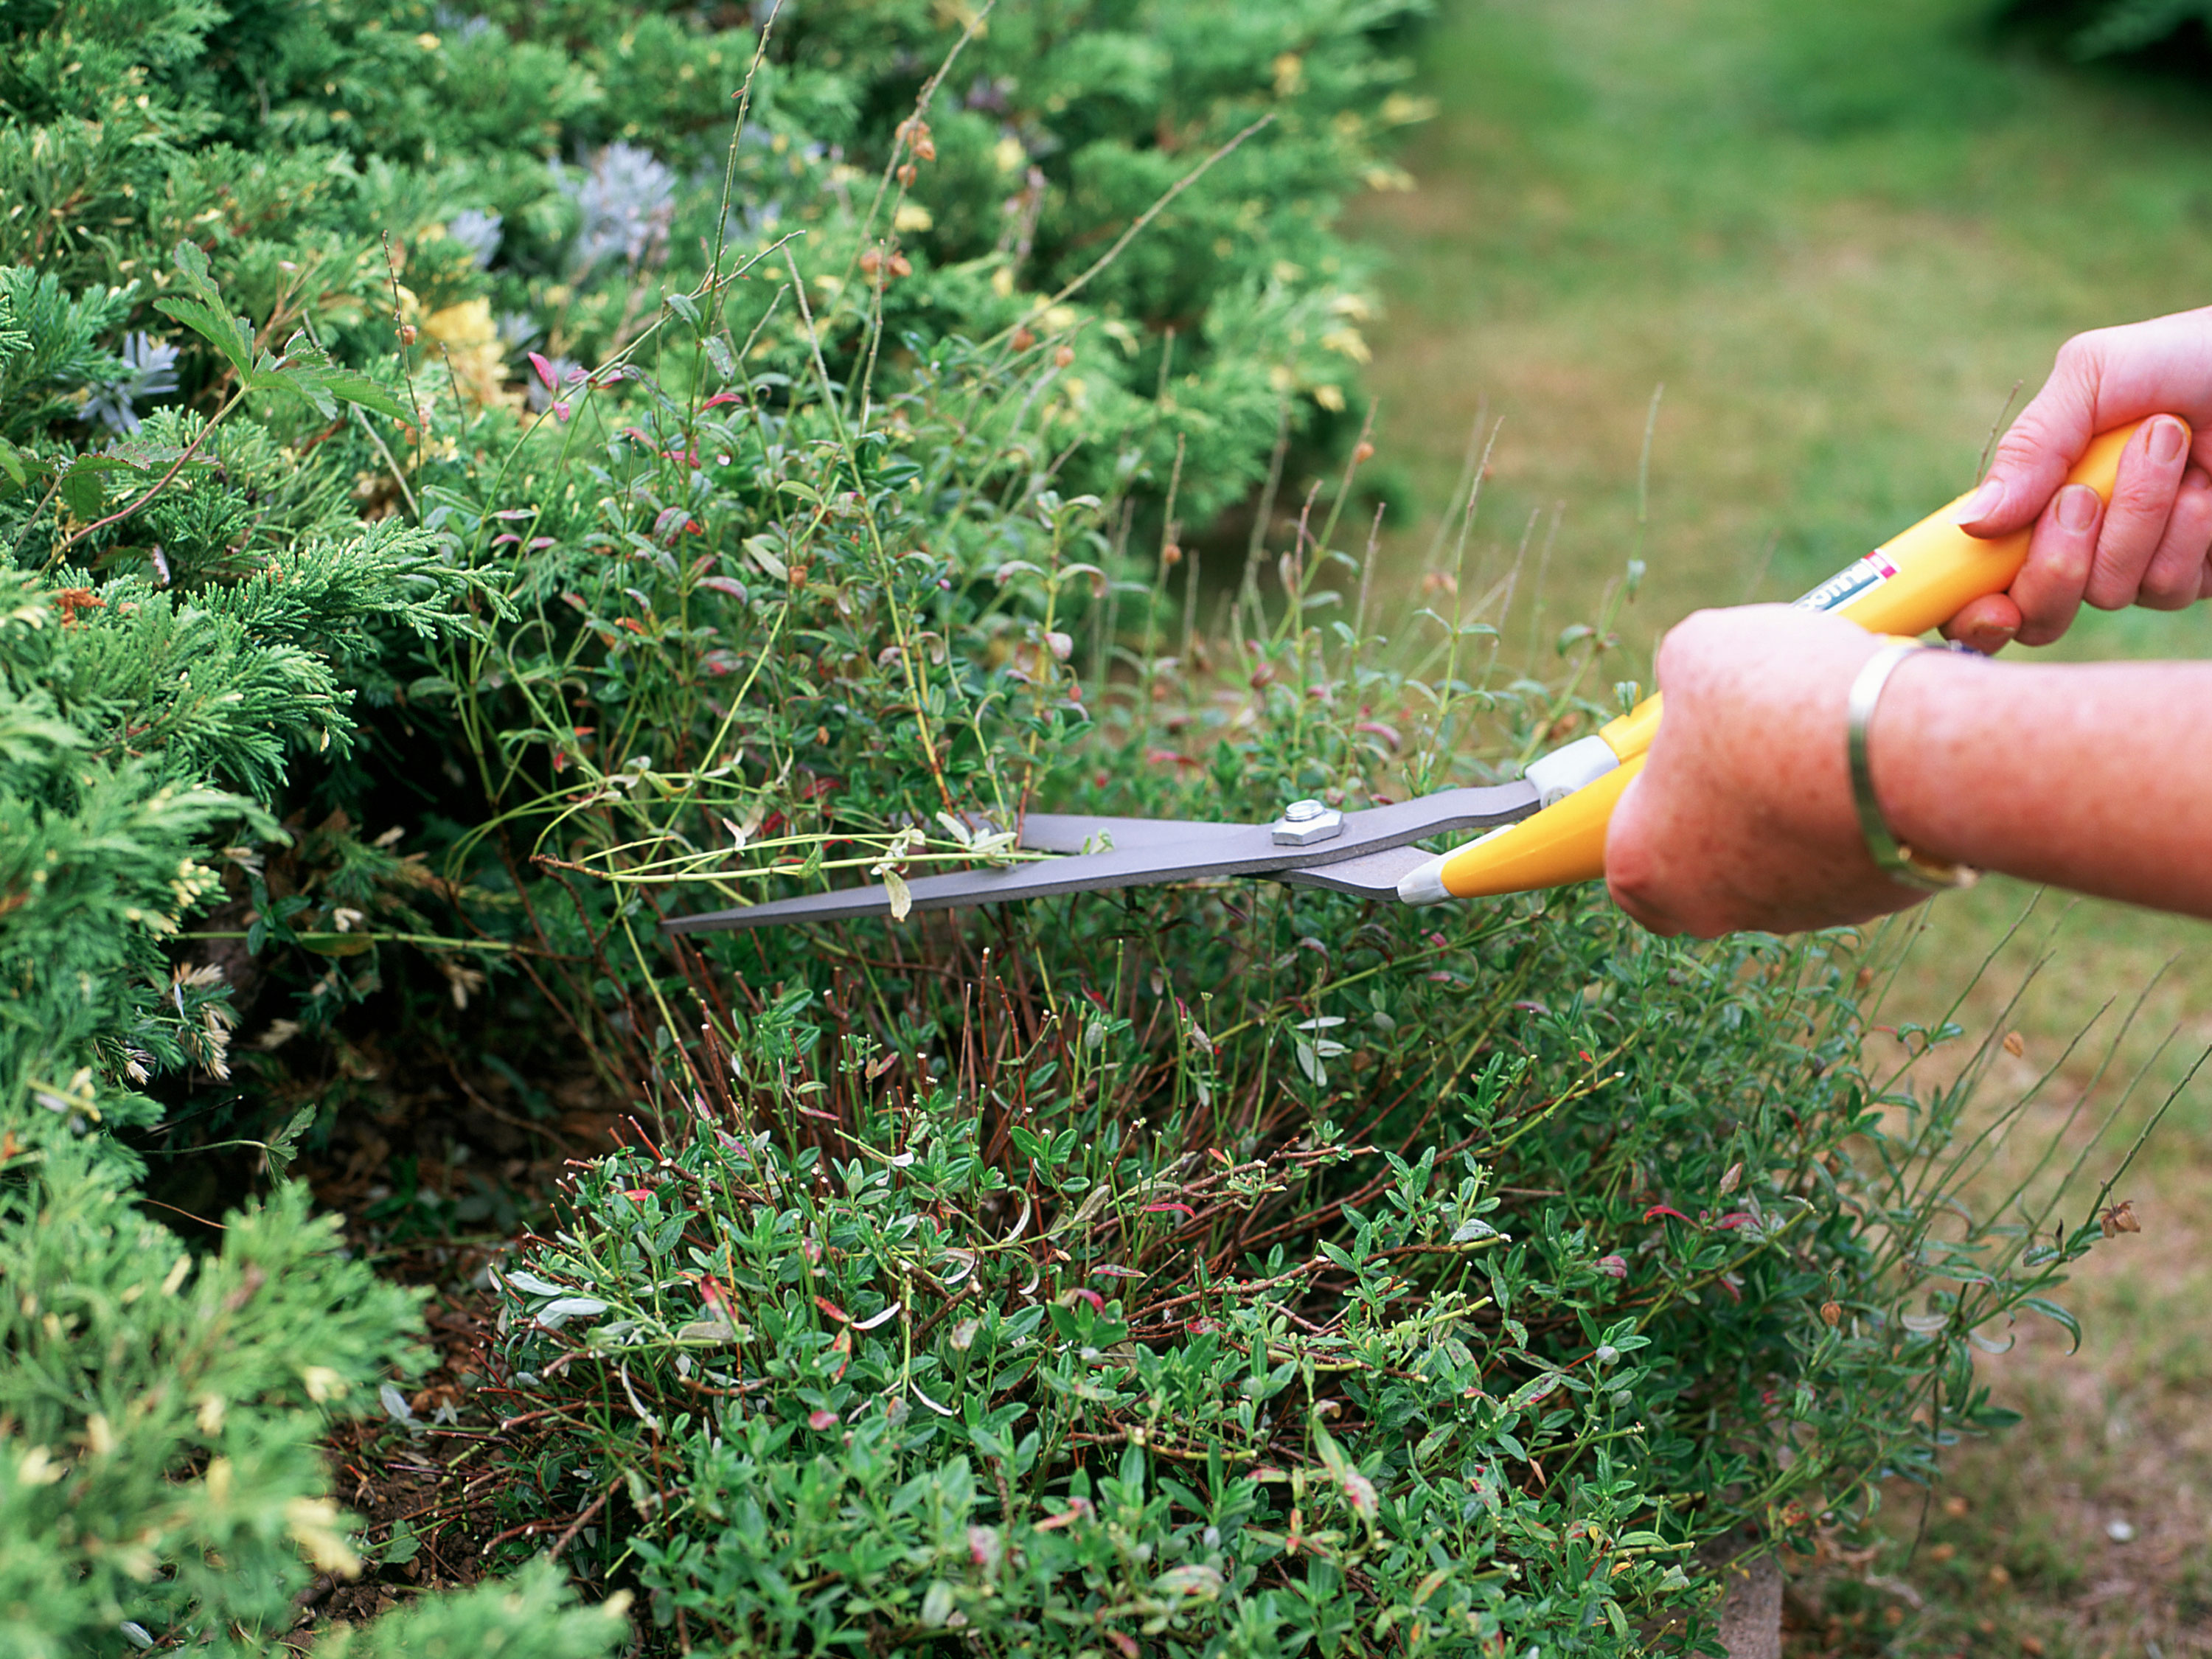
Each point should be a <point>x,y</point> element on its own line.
<point>1306,823</point>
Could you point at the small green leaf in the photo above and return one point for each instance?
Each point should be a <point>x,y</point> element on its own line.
<point>229,335</point>
<point>2051,1310</point>
<point>82,491</point>
<point>192,264</point>
<point>305,383</point>
<point>405,1544</point>
<point>283,1146</point>
<point>1331,1454</point>
<point>350,386</point>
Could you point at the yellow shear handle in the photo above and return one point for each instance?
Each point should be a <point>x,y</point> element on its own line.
<point>1915,581</point>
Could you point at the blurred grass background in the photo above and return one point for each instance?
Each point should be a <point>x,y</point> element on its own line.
<point>1838,236</point>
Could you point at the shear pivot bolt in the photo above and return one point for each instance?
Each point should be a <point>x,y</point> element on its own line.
<point>1305,823</point>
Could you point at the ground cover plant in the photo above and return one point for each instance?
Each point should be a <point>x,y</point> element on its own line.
<point>433,560</point>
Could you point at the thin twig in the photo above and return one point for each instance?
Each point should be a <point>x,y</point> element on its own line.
<point>175,467</point>
<point>578,1524</point>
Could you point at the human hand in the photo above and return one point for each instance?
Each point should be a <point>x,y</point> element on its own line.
<point>2149,547</point>
<point>1743,816</point>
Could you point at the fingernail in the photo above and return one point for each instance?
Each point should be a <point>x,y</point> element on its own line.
<point>2077,506</point>
<point>1982,503</point>
<point>2166,440</point>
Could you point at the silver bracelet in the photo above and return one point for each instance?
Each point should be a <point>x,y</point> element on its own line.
<point>1899,863</point>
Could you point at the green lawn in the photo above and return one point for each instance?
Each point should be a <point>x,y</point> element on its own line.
<point>1838,235</point>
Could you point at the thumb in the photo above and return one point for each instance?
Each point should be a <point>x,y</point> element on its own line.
<point>2033,458</point>
<point>1988,625</point>
<point>2031,462</point>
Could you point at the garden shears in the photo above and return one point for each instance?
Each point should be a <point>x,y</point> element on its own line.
<point>1368,852</point>
<point>1546,830</point>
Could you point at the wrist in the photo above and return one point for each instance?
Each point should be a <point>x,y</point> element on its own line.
<point>1913,740</point>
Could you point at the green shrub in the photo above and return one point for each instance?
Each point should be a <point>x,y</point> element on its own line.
<point>1239,1269</point>
<point>309,148</point>
<point>158,1463</point>
<point>160,1476</point>
<point>528,1614</point>
<point>202,640</point>
<point>1130,1340</point>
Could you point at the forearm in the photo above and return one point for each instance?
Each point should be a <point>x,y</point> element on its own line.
<point>2093,777</point>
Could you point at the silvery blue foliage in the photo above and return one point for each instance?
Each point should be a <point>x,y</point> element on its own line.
<point>154,374</point>
<point>627,198</point>
<point>477,232</point>
<point>518,329</point>
<point>460,25</point>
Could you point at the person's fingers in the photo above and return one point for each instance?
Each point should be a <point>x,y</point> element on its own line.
<point>2033,457</point>
<point>2177,571</point>
<point>1987,624</point>
<point>2048,589</point>
<point>2134,524</point>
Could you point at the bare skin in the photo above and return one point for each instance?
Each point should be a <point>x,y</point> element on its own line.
<point>2149,548</point>
<point>2095,778</point>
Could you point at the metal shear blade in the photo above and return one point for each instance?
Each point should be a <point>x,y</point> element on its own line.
<point>1365,857</point>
